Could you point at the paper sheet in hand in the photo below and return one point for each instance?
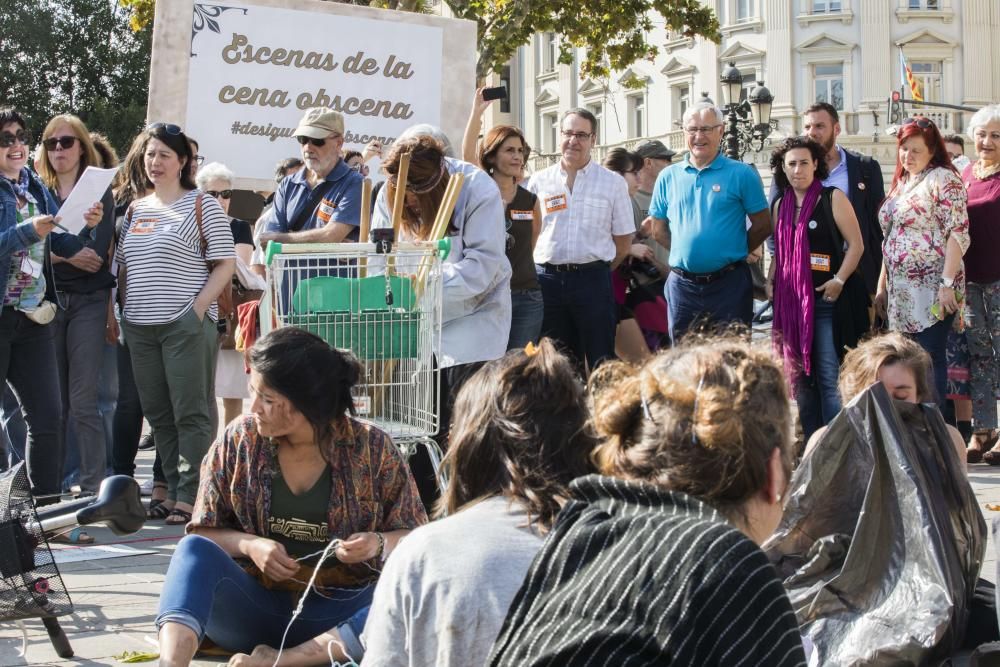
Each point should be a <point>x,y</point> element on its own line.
<point>88,190</point>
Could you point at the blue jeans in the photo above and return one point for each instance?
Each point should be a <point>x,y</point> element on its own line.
<point>727,299</point>
<point>934,340</point>
<point>817,395</point>
<point>207,591</point>
<point>527,310</point>
<point>579,311</point>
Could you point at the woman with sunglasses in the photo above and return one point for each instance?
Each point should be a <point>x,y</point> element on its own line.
<point>924,219</point>
<point>27,348</point>
<point>216,181</point>
<point>175,256</point>
<point>83,286</point>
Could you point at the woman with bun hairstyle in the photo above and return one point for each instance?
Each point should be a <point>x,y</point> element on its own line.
<point>280,485</point>
<point>656,562</point>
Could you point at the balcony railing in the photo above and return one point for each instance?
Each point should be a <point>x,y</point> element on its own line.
<point>948,122</point>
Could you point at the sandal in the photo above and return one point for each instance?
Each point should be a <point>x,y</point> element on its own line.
<point>177,517</point>
<point>981,448</point>
<point>76,536</point>
<point>157,510</point>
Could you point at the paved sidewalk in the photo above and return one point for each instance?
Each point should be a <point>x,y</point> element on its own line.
<point>115,599</point>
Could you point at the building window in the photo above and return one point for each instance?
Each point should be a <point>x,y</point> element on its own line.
<point>826,6</point>
<point>505,82</point>
<point>636,116</point>
<point>550,133</point>
<point>928,74</point>
<point>749,82</point>
<point>597,109</point>
<point>550,51</point>
<point>683,97</point>
<point>829,84</point>
<point>926,5</point>
<point>744,11</point>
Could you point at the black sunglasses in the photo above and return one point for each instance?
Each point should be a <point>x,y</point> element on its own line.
<point>7,139</point>
<point>309,140</point>
<point>225,194</point>
<point>169,128</point>
<point>922,123</point>
<point>62,142</point>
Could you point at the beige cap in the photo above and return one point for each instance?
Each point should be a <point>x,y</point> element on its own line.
<point>319,123</point>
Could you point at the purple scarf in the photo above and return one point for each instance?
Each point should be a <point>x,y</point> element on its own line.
<point>792,330</point>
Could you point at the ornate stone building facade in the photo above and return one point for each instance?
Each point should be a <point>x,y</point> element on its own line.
<point>846,52</point>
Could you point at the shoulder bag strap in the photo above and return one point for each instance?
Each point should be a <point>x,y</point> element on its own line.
<point>309,209</point>
<point>201,228</point>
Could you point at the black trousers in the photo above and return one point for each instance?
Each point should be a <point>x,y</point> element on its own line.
<point>452,380</point>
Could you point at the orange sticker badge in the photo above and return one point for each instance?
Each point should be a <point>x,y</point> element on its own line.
<point>144,226</point>
<point>521,215</point>
<point>325,211</point>
<point>555,203</point>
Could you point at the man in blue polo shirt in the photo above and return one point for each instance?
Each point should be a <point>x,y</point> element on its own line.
<point>321,203</point>
<point>699,211</point>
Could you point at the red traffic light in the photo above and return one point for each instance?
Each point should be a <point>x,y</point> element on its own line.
<point>896,96</point>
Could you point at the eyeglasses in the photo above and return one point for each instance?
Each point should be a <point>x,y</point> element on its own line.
<point>579,136</point>
<point>7,139</point>
<point>922,123</point>
<point>315,142</point>
<point>62,142</point>
<point>200,159</point>
<point>694,131</point>
<point>225,194</point>
<point>169,128</point>
<point>361,168</point>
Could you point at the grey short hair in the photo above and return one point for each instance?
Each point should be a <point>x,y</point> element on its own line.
<point>985,116</point>
<point>701,106</point>
<point>422,129</point>
<point>213,171</point>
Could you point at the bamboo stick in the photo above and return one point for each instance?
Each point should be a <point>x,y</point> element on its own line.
<point>399,201</point>
<point>366,223</point>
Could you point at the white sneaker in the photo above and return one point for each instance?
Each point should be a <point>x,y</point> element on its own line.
<point>146,488</point>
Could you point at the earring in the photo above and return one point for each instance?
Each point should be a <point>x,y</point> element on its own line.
<point>490,171</point>
<point>777,498</point>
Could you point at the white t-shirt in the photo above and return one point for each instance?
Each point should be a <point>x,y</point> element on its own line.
<point>160,249</point>
<point>445,590</point>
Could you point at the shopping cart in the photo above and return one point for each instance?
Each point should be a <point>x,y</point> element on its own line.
<point>381,301</point>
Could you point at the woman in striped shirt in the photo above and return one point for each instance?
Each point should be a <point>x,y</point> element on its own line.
<point>175,256</point>
<point>657,562</point>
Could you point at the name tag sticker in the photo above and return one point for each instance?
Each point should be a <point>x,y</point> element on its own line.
<point>819,262</point>
<point>325,211</point>
<point>522,215</point>
<point>555,203</point>
<point>144,226</point>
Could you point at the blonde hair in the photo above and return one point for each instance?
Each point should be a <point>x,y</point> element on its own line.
<point>702,418</point>
<point>862,364</point>
<point>89,157</point>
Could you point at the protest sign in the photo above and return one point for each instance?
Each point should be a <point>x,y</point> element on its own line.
<point>238,76</point>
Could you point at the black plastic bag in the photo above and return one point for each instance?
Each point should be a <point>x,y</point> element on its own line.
<point>882,540</point>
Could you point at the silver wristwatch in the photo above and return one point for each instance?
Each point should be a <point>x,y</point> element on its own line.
<point>947,282</point>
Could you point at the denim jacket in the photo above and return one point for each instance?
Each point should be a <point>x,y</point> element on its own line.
<point>15,236</point>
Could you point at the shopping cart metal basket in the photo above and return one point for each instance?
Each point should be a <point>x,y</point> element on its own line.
<point>381,301</point>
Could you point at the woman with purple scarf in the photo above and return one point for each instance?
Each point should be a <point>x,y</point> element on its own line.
<point>820,305</point>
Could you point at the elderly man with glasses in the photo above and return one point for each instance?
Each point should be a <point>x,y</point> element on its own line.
<point>587,229</point>
<point>321,203</point>
<point>699,211</point>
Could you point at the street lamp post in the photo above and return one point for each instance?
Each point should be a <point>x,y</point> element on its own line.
<point>748,122</point>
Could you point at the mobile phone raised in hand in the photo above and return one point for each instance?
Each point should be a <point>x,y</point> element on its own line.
<point>497,93</point>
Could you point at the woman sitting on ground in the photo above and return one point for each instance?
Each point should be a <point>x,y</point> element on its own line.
<point>519,437</point>
<point>657,562</point>
<point>902,366</point>
<point>276,489</point>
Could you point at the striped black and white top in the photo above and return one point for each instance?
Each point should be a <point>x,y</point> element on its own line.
<point>635,575</point>
<point>160,249</point>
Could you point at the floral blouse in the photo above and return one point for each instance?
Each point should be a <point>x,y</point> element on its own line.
<point>371,490</point>
<point>918,217</point>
